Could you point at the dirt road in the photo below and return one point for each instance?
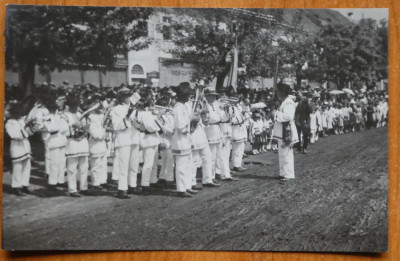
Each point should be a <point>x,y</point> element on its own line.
<point>338,202</point>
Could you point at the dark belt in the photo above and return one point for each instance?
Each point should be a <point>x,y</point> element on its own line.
<point>225,121</point>
<point>216,123</point>
<point>149,132</point>
<point>54,132</point>
<point>235,124</point>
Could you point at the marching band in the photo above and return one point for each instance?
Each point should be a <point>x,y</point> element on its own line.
<point>171,140</point>
<point>183,131</point>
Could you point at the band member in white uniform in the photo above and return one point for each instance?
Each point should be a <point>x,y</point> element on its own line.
<point>239,137</point>
<point>20,150</point>
<point>166,118</point>
<point>54,134</point>
<point>149,140</point>
<point>126,144</point>
<point>226,113</point>
<point>97,146</point>
<point>181,141</point>
<point>285,132</point>
<point>201,152</point>
<point>39,112</point>
<point>76,150</point>
<point>213,130</point>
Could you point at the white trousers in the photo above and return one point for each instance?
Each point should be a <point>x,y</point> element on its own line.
<point>237,153</point>
<point>98,167</point>
<point>150,164</point>
<point>73,164</point>
<point>223,158</point>
<point>183,172</point>
<point>21,172</point>
<point>286,161</point>
<point>128,166</point>
<point>202,158</point>
<point>167,165</point>
<point>215,150</point>
<point>115,170</point>
<point>57,166</point>
<point>46,159</point>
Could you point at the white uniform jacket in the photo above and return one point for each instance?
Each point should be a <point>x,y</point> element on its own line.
<point>285,113</point>
<point>181,141</point>
<point>167,127</point>
<point>75,147</point>
<point>213,131</point>
<point>199,137</point>
<point>149,136</point>
<point>40,114</point>
<point>125,133</point>
<point>56,129</point>
<point>225,123</point>
<point>238,122</point>
<point>97,135</point>
<point>20,148</point>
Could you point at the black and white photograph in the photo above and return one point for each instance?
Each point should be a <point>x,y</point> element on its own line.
<point>228,129</point>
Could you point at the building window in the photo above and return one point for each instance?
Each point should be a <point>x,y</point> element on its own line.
<point>167,19</point>
<point>167,32</point>
<point>137,69</point>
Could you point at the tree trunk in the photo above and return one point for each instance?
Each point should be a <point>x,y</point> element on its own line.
<point>219,85</point>
<point>27,77</point>
<point>337,83</point>
<point>220,81</point>
<point>100,80</point>
<point>48,77</point>
<point>298,78</point>
<point>82,77</point>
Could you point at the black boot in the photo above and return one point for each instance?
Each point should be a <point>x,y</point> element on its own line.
<point>26,190</point>
<point>18,192</point>
<point>123,194</point>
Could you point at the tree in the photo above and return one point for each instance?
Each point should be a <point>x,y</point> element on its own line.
<point>52,37</point>
<point>354,53</point>
<point>206,40</point>
<point>297,50</point>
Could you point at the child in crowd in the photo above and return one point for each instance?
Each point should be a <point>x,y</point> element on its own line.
<point>318,117</point>
<point>340,118</point>
<point>256,132</point>
<point>313,124</point>
<point>267,131</point>
<point>324,120</point>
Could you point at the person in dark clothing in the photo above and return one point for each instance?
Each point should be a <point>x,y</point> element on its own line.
<point>302,120</point>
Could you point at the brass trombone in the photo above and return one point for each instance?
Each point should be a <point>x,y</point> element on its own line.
<point>158,108</point>
<point>228,101</point>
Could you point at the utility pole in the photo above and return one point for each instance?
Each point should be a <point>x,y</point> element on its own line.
<point>276,75</point>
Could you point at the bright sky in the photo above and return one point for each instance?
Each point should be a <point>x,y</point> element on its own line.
<point>375,13</point>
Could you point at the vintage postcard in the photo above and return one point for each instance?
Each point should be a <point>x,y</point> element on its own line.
<point>131,128</point>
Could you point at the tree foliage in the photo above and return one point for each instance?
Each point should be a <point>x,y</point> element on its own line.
<point>207,40</point>
<point>356,53</point>
<point>52,36</point>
